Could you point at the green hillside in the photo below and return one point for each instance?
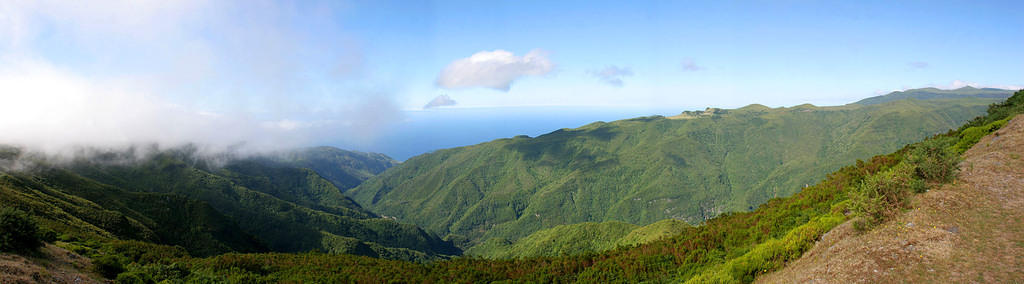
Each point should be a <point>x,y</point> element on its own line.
<point>729,248</point>
<point>176,197</point>
<point>301,186</point>
<point>690,167</point>
<point>345,169</point>
<point>733,247</point>
<point>275,200</point>
<point>81,209</point>
<point>933,93</point>
<point>574,239</point>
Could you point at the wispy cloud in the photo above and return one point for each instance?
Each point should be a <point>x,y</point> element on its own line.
<point>440,101</point>
<point>689,65</point>
<point>956,84</point>
<point>612,75</point>
<point>493,69</point>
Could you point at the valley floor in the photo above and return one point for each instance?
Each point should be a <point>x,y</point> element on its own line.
<point>971,231</point>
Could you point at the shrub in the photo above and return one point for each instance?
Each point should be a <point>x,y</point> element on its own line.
<point>18,232</point>
<point>771,254</point>
<point>134,277</point>
<point>971,135</point>
<point>48,235</point>
<point>883,195</point>
<point>143,252</point>
<point>108,265</point>
<point>934,160</point>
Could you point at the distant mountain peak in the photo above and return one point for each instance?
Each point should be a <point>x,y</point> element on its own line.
<point>932,93</point>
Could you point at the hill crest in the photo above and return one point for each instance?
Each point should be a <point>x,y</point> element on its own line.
<point>935,93</point>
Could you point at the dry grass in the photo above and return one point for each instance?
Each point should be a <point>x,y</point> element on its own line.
<point>971,231</point>
<point>51,265</point>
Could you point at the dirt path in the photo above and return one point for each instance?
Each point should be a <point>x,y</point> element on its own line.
<point>968,232</point>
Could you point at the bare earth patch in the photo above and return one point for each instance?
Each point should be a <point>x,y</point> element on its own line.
<point>971,231</point>
<point>51,265</point>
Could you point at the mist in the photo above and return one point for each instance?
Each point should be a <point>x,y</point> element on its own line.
<point>221,77</point>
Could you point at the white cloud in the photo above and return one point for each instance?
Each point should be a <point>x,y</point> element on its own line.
<point>21,21</point>
<point>960,84</point>
<point>219,74</point>
<point>440,101</point>
<point>493,69</point>
<point>54,110</point>
<point>612,75</point>
<point>49,109</point>
<point>956,84</point>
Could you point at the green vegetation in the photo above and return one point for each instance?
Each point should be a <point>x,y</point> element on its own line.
<point>732,247</point>
<point>82,209</point>
<point>770,255</point>
<point>882,196</point>
<point>998,115</point>
<point>783,227</point>
<point>18,232</point>
<point>639,171</point>
<point>578,238</point>
<point>176,198</point>
<point>933,93</point>
<point>345,169</point>
<point>306,211</point>
<point>971,135</point>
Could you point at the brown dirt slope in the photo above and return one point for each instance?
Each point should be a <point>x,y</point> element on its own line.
<point>971,231</point>
<point>51,265</point>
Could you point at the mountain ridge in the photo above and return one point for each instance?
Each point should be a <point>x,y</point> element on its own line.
<point>450,196</point>
<point>212,204</point>
<point>935,93</point>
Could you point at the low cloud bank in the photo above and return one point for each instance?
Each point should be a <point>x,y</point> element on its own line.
<point>58,112</point>
<point>221,76</point>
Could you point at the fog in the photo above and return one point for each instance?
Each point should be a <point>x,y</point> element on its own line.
<point>222,76</point>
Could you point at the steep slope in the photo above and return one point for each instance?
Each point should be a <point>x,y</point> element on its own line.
<point>733,247</point>
<point>933,93</point>
<point>969,231</point>
<point>643,170</point>
<point>175,197</point>
<point>289,209</point>
<point>574,239</point>
<point>82,209</point>
<point>302,186</point>
<point>345,169</point>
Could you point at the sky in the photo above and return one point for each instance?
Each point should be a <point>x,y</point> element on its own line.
<point>408,77</point>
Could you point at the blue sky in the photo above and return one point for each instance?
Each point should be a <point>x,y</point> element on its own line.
<point>356,74</point>
<point>776,53</point>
